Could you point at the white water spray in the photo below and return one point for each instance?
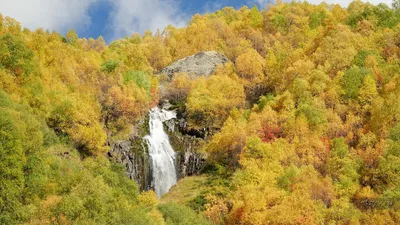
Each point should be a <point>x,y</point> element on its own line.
<point>162,155</point>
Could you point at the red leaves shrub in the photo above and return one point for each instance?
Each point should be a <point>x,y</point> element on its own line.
<point>270,133</point>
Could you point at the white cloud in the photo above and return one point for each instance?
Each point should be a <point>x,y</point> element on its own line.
<point>345,3</point>
<point>263,3</point>
<point>127,16</point>
<point>212,6</point>
<point>59,15</point>
<point>131,16</point>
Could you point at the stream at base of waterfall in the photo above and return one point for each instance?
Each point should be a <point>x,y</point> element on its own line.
<point>162,155</point>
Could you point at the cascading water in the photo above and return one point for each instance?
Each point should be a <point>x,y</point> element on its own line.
<point>161,153</point>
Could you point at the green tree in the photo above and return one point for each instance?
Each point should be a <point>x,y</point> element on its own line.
<point>140,78</point>
<point>71,37</point>
<point>389,165</point>
<point>15,55</point>
<point>342,169</point>
<point>11,168</point>
<point>352,81</point>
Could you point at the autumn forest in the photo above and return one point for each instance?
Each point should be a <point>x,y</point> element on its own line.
<point>300,126</point>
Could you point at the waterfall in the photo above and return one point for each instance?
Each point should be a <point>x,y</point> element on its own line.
<point>162,156</point>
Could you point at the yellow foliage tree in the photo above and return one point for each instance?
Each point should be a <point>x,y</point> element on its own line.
<point>178,89</point>
<point>211,99</point>
<point>250,66</point>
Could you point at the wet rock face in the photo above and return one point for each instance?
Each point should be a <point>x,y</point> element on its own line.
<point>133,154</point>
<point>190,163</point>
<point>137,165</point>
<point>203,63</point>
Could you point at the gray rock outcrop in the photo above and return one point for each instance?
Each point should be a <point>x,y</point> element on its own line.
<point>137,164</point>
<point>190,162</point>
<point>202,63</point>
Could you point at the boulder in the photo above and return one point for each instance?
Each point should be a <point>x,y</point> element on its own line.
<point>203,63</point>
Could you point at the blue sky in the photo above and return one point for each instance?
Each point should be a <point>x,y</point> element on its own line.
<point>114,19</point>
<point>102,11</point>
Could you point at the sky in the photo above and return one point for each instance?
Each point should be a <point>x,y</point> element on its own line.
<point>115,19</point>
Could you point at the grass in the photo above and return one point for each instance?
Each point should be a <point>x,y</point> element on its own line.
<point>185,190</point>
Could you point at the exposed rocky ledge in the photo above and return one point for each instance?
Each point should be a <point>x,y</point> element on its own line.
<point>137,164</point>
<point>189,163</point>
<point>189,160</point>
<point>202,63</point>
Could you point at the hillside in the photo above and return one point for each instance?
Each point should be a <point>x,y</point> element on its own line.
<point>299,126</point>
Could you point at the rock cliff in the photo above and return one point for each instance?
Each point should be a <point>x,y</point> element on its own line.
<point>135,160</point>
<point>202,63</point>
